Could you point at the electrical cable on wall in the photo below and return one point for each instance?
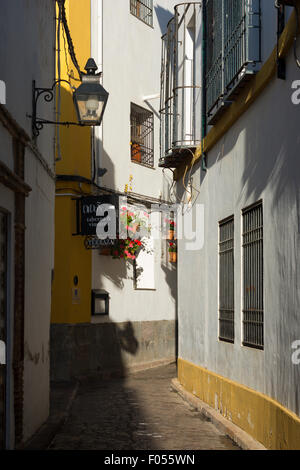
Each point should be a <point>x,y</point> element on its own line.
<point>62,21</point>
<point>172,186</point>
<point>58,155</point>
<point>69,72</point>
<point>93,153</point>
<point>61,4</point>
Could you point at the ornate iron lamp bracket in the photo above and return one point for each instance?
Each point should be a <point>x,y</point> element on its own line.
<point>37,123</point>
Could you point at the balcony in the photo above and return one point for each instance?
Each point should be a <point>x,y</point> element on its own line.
<point>233,51</point>
<point>181,92</point>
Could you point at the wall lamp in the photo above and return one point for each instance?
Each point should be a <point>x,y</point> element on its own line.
<point>89,98</point>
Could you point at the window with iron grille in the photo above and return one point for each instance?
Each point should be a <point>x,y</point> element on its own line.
<point>226,280</point>
<point>142,9</point>
<point>233,50</point>
<point>253,288</point>
<point>141,122</point>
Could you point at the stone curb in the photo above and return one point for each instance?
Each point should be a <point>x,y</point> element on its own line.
<point>240,437</point>
<point>43,438</point>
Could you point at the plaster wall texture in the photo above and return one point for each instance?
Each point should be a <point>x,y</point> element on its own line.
<point>28,56</point>
<point>256,159</point>
<point>39,260</point>
<point>109,349</point>
<point>131,58</point>
<point>27,52</point>
<point>269,27</point>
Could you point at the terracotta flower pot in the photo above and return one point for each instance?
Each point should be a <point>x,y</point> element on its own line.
<point>172,256</point>
<point>171,235</point>
<point>136,153</point>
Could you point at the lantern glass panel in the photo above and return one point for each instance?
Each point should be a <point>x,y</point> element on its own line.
<point>89,108</point>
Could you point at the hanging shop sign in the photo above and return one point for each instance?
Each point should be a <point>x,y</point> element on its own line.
<point>94,212</point>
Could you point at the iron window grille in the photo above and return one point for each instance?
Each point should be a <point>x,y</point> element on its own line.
<point>233,50</point>
<point>142,135</point>
<point>253,287</point>
<point>226,280</point>
<point>142,10</point>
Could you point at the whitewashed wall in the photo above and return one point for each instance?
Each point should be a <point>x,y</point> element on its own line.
<point>27,31</point>
<point>130,54</point>
<point>258,158</point>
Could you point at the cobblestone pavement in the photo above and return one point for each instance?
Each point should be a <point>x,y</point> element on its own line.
<point>137,413</point>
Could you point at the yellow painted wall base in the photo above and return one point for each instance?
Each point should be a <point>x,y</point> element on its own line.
<point>264,419</point>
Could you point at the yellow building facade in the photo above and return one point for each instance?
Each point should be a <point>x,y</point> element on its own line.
<point>71,301</point>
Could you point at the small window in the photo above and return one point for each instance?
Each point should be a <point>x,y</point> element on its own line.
<point>226,280</point>
<point>141,121</point>
<point>142,9</point>
<point>253,293</point>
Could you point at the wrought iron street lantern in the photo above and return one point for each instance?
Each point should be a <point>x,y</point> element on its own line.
<point>89,98</point>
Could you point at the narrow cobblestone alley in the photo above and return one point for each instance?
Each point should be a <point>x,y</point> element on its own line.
<point>140,412</point>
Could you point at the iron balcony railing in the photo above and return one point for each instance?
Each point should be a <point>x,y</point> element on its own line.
<point>233,49</point>
<point>180,92</point>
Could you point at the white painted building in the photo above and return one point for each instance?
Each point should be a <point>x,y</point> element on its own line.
<point>126,44</point>
<point>239,295</point>
<point>27,31</point>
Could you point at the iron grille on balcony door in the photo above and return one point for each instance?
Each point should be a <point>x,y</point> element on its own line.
<point>141,121</point>
<point>226,280</point>
<point>253,294</point>
<point>233,49</point>
<point>142,9</point>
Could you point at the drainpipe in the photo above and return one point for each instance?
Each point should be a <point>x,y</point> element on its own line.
<point>203,119</point>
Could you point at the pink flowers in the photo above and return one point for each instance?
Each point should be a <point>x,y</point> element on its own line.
<point>127,249</point>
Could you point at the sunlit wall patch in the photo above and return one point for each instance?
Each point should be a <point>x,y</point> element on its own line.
<point>2,92</point>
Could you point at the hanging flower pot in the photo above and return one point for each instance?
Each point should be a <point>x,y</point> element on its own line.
<point>127,249</point>
<point>172,257</point>
<point>172,253</point>
<point>171,235</point>
<point>136,153</point>
<point>171,232</point>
